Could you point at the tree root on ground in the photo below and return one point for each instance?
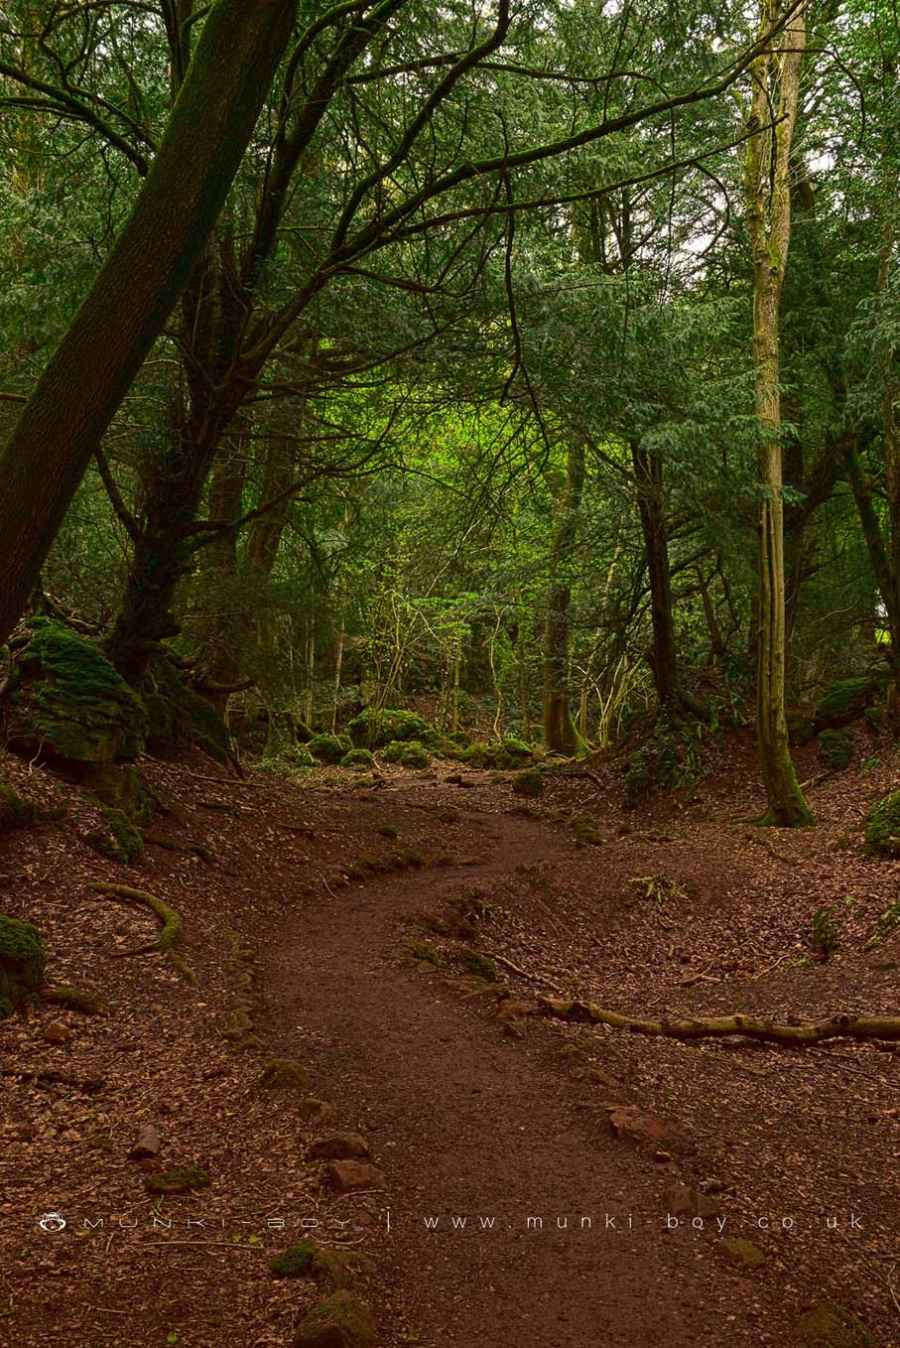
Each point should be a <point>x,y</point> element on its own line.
<point>173,845</point>
<point>712,1027</point>
<point>169,917</point>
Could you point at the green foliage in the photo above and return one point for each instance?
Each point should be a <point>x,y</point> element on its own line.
<point>848,699</point>
<point>22,961</point>
<point>883,825</point>
<point>329,748</point>
<point>836,748</point>
<point>67,700</point>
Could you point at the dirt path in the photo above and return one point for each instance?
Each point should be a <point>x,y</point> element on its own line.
<point>465,1121</point>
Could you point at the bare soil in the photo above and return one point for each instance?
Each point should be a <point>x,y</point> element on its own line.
<point>339,926</point>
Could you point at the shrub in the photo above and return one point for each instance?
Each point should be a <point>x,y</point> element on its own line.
<point>408,755</point>
<point>374,729</point>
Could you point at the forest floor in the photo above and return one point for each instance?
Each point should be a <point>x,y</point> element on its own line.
<point>615,1189</point>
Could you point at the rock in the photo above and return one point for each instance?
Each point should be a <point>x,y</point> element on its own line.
<point>632,1124</point>
<point>146,1144</point>
<point>827,1325</point>
<point>14,811</point>
<point>56,1032</point>
<point>883,825</point>
<point>295,1261</point>
<point>282,1074</point>
<point>743,1252</point>
<point>340,1321</point>
<point>75,999</point>
<point>348,1176</point>
<point>836,749</point>
<point>22,962</point>
<point>847,699</point>
<point>317,1111</point>
<point>182,1180</point>
<point>529,782</point>
<point>338,1147</point>
<point>68,702</point>
<point>682,1201</point>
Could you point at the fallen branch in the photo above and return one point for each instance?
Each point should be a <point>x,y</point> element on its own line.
<point>764,842</point>
<point>523,973</point>
<point>718,1027</point>
<point>169,917</point>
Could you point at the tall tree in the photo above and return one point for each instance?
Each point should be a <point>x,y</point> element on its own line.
<point>776,92</point>
<point>61,427</point>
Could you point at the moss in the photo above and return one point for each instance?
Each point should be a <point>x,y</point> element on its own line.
<point>22,961</point>
<point>801,727</point>
<point>411,857</point>
<point>479,966</point>
<point>496,756</point>
<point>119,841</point>
<point>357,758</point>
<point>121,787</point>
<point>180,718</point>
<point>847,699</point>
<point>69,702</point>
<point>530,782</point>
<point>297,756</point>
<point>14,811</point>
<point>836,748</point>
<point>388,831</point>
<point>76,999</point>
<point>329,748</point>
<point>744,1252</point>
<point>409,754</point>
<point>883,825</point>
<point>374,729</point>
<point>183,1179</point>
<point>340,1321</point>
<point>827,1325</point>
<point>294,1262</point>
<point>517,749</point>
<point>587,834</point>
<point>282,1074</point>
<point>425,952</point>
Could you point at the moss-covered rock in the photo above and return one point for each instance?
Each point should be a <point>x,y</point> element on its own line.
<point>14,811</point>
<point>409,754</point>
<point>119,840</point>
<point>179,718</point>
<point>479,966</point>
<point>801,726</point>
<point>847,699</point>
<point>358,758</point>
<point>501,756</point>
<point>281,1074</point>
<point>294,1262</point>
<point>883,825</point>
<point>828,1325</point>
<point>529,782</point>
<point>184,1179</point>
<point>76,999</point>
<point>836,748</point>
<point>342,1320</point>
<point>329,748</point>
<point>68,702</point>
<point>373,729</point>
<point>22,961</point>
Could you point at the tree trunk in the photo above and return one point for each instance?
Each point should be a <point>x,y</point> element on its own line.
<point>648,476</point>
<point>776,85</point>
<point>75,400</point>
<point>560,734</point>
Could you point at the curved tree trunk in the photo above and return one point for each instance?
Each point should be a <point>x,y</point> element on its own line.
<point>74,402</point>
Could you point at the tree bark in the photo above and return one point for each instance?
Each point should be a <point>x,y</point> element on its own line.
<point>560,734</point>
<point>648,475</point>
<point>776,87</point>
<point>75,400</point>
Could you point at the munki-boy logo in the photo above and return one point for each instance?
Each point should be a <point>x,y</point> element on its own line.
<point>52,1221</point>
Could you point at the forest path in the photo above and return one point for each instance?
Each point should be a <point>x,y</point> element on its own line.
<point>467,1121</point>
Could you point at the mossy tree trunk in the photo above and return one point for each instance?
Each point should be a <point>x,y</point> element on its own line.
<point>560,733</point>
<point>776,87</point>
<point>63,423</point>
<point>648,477</point>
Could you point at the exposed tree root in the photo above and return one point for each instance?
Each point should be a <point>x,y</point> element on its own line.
<point>169,917</point>
<point>712,1027</point>
<point>173,845</point>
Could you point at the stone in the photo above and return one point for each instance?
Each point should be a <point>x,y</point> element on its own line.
<point>743,1252</point>
<point>349,1176</point>
<point>317,1111</point>
<point>683,1201</point>
<point>56,1032</point>
<point>342,1320</point>
<point>828,1325</point>
<point>283,1074</point>
<point>182,1180</point>
<point>146,1144</point>
<point>22,961</point>
<point>338,1147</point>
<point>631,1124</point>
